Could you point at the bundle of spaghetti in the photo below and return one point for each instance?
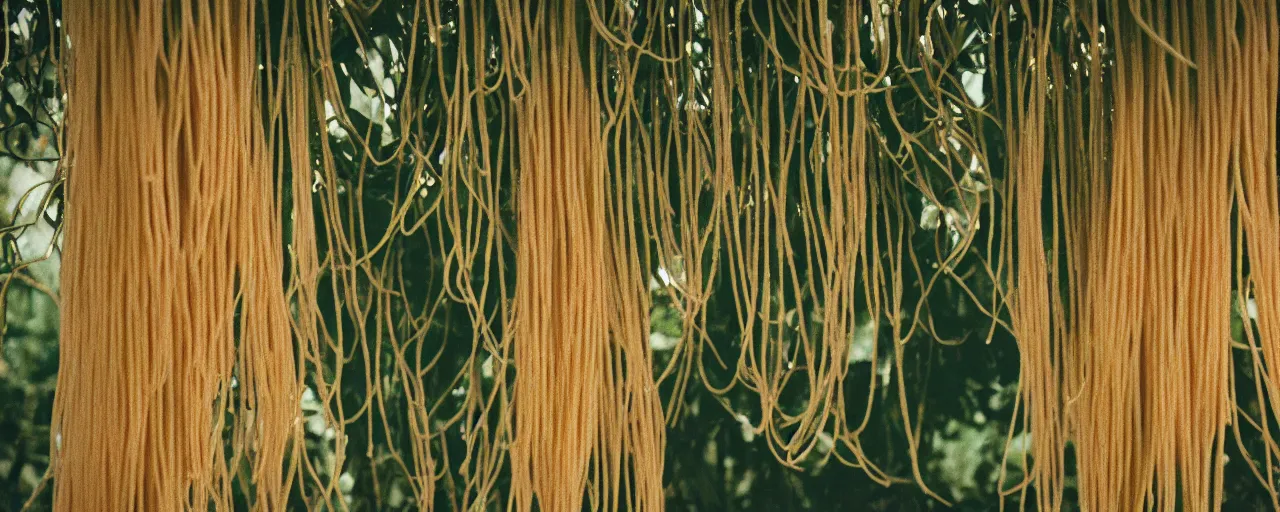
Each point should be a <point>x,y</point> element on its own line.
<point>1253,154</point>
<point>174,220</point>
<point>1082,128</point>
<point>1200,394</point>
<point>586,415</point>
<point>1161,352</point>
<point>1154,333</point>
<point>1081,160</point>
<point>1031,306</point>
<point>1107,414</point>
<point>1068,129</point>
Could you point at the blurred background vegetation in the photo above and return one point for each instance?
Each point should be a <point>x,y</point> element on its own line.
<point>966,386</point>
